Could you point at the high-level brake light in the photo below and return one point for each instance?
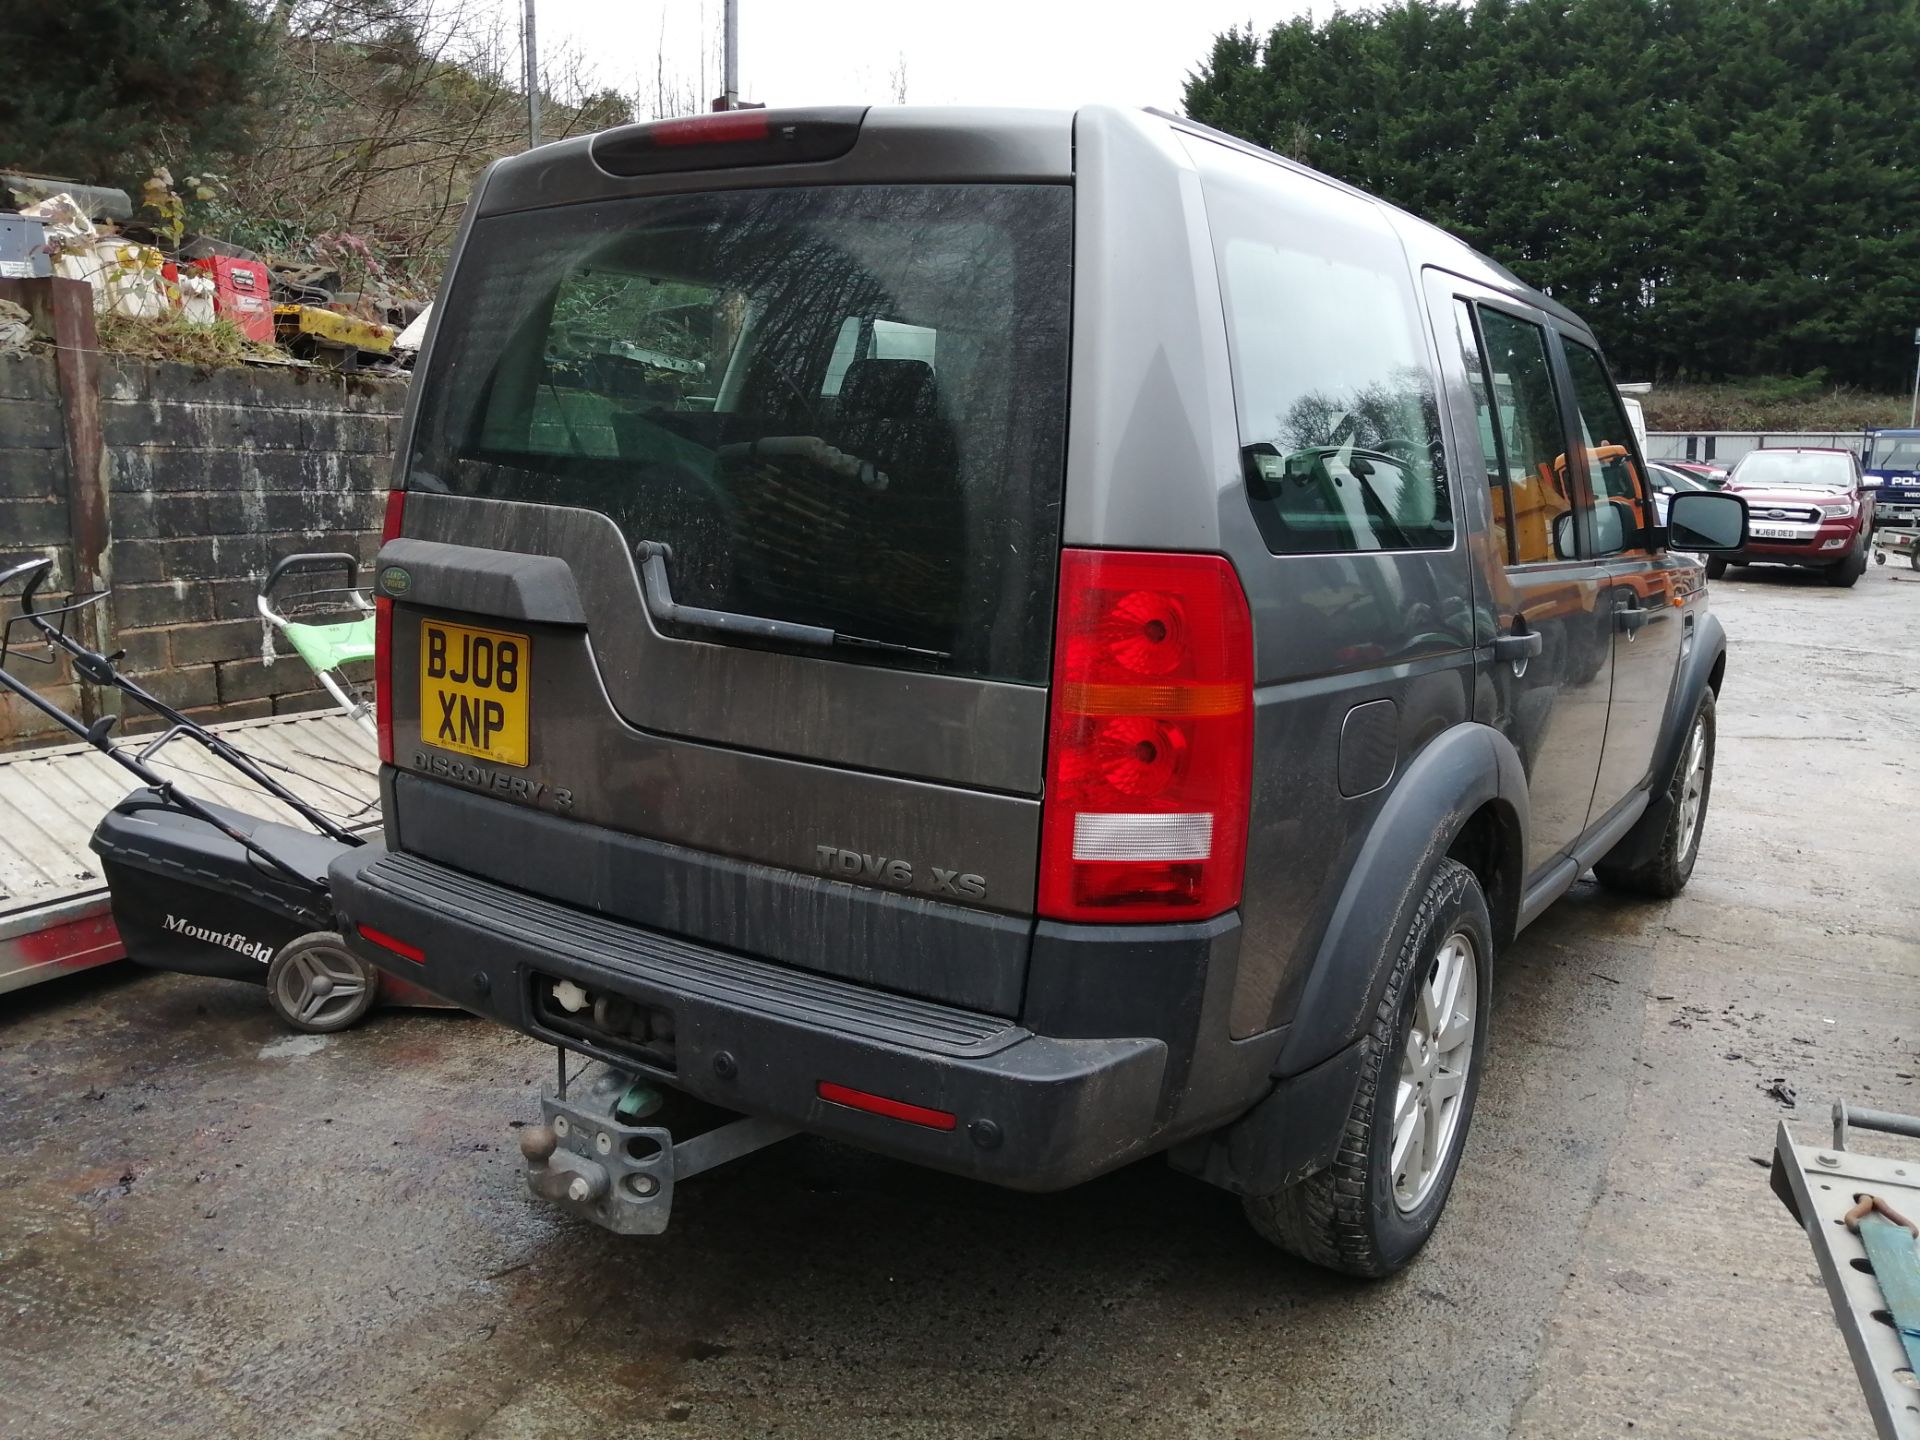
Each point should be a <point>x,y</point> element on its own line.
<point>730,138</point>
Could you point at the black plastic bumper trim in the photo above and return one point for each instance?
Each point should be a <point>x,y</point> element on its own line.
<point>1035,1112</point>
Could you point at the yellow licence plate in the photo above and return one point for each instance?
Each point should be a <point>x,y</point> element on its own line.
<point>473,691</point>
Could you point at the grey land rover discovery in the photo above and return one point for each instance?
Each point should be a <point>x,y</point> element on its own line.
<point>1019,641</point>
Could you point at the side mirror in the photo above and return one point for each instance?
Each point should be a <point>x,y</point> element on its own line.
<point>1702,523</point>
<point>1871,482</point>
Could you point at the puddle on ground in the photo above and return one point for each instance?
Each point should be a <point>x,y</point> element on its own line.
<point>294,1047</point>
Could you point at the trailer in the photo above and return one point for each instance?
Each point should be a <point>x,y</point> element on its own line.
<point>1895,543</point>
<point>1854,1207</point>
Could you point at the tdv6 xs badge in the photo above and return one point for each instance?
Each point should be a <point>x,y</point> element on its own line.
<point>897,873</point>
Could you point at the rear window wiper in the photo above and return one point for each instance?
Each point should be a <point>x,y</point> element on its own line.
<point>654,555</point>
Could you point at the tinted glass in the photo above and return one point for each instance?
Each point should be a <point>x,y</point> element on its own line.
<point>839,407</point>
<point>1339,427</point>
<point>1608,440</point>
<point>1795,469</point>
<point>1533,444</point>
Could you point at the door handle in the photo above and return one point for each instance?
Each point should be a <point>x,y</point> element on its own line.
<point>1632,617</point>
<point>1519,647</point>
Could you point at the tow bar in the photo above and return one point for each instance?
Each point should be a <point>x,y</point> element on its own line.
<point>596,1158</point>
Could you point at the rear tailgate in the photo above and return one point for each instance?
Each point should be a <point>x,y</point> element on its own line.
<point>723,594</point>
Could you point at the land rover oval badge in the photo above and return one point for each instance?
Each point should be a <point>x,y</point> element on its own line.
<point>395,581</point>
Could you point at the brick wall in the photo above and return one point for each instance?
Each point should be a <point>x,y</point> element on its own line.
<point>210,476</point>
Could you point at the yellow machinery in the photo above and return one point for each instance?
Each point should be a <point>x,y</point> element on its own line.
<point>313,333</point>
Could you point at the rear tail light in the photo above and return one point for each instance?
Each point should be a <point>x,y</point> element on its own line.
<point>383,636</point>
<point>1149,739</point>
<point>395,517</point>
<point>731,137</point>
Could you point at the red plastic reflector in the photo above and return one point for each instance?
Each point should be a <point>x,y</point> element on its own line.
<point>728,126</point>
<point>881,1105</point>
<point>1149,739</point>
<point>387,942</point>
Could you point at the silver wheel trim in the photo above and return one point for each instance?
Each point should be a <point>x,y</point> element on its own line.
<point>1433,1071</point>
<point>319,985</point>
<point>1694,788</point>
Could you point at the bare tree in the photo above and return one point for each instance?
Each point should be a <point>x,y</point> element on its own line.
<point>388,111</point>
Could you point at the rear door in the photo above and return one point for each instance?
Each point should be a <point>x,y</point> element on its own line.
<point>1646,590</point>
<point>1553,702</point>
<point>760,489</point>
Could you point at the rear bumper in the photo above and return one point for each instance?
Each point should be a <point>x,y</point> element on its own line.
<point>1029,1111</point>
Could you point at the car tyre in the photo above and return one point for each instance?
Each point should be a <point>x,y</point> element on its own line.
<point>1716,566</point>
<point>1417,1087</point>
<point>1665,874</point>
<point>316,984</point>
<point>1847,573</point>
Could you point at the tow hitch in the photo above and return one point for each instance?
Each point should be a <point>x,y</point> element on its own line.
<point>597,1157</point>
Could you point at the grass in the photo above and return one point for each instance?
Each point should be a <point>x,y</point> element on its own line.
<point>1770,403</point>
<point>172,337</point>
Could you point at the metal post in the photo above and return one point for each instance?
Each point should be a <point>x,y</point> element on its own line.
<point>730,77</point>
<point>530,52</point>
<point>1913,414</point>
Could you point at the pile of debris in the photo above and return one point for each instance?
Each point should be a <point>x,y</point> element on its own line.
<point>199,296</point>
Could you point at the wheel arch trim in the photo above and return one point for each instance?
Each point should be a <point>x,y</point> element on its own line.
<point>1463,770</point>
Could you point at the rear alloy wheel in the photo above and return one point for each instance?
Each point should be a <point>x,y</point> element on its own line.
<point>1665,873</point>
<point>317,985</point>
<point>1371,1211</point>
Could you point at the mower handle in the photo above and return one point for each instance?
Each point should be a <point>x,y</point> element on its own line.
<point>37,568</point>
<point>315,560</point>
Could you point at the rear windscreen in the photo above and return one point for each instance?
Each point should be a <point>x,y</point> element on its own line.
<point>840,407</point>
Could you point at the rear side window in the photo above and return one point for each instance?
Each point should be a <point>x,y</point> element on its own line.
<point>1339,429</point>
<point>842,407</point>
<point>1473,363</point>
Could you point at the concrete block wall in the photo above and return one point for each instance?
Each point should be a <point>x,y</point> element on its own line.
<point>35,477</point>
<point>210,477</point>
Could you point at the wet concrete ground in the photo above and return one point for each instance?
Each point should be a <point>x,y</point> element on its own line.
<point>209,1227</point>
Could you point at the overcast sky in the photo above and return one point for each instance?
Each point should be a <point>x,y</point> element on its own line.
<point>990,52</point>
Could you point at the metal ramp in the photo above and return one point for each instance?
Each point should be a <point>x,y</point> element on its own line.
<point>53,900</point>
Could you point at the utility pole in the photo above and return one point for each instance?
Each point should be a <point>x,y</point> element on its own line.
<point>530,53</point>
<point>730,78</point>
